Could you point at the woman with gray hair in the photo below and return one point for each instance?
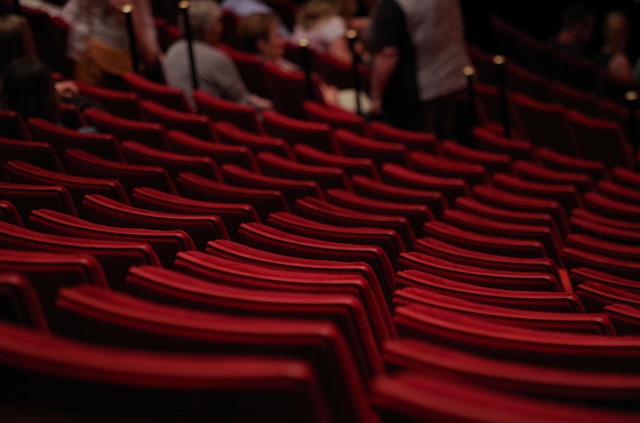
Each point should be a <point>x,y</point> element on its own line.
<point>216,72</point>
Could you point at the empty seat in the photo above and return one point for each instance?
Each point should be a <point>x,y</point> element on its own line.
<point>619,192</point>
<point>489,140</point>
<point>594,323</point>
<point>415,213</point>
<point>337,118</point>
<point>413,140</point>
<point>604,220</point>
<point>218,109</point>
<point>455,254</point>
<point>327,177</point>
<point>194,124</point>
<point>501,279</point>
<point>9,213</point>
<point>26,197</point>
<point>81,163</point>
<point>263,237</point>
<point>13,126</point>
<point>288,90</point>
<point>148,133</point>
<point>173,163</point>
<point>299,131</point>
<point>61,139</point>
<point>351,165</point>
<point>565,162</point>
<point>77,381</point>
<point>291,188</point>
<point>625,318</point>
<point>619,233</point>
<point>565,194</point>
<point>611,207</point>
<point>115,257</point>
<point>386,239</point>
<point>410,397</point>
<point>538,173</point>
<point>493,162</point>
<point>117,319</point>
<point>372,297</point>
<point>543,123</point>
<point>19,303</point>
<point>595,296</point>
<point>450,168</point>
<point>369,187</point>
<point>232,214</point>
<point>626,177</point>
<point>147,89</point>
<point>76,186</point>
<point>184,143</point>
<point>606,248</point>
<point>264,201</point>
<point>575,257</point>
<point>352,144</point>
<point>484,243</point>
<point>119,103</point>
<point>579,275</point>
<point>570,351</point>
<point>40,154</point>
<point>539,381</point>
<point>166,243</point>
<point>228,133</point>
<point>599,139</point>
<point>561,302</point>
<point>449,187</point>
<point>326,212</point>
<point>201,228</point>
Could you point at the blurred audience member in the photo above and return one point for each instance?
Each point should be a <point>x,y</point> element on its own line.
<point>418,54</point>
<point>324,24</point>
<point>578,26</point>
<point>100,40</point>
<point>612,54</point>
<point>216,72</point>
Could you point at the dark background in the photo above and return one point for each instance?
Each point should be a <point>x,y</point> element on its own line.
<point>541,19</point>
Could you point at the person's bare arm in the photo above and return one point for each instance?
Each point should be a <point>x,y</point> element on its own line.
<point>383,65</point>
<point>339,48</point>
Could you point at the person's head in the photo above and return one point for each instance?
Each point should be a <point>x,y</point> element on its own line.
<point>260,34</point>
<point>580,19</point>
<point>616,30</point>
<point>28,89</point>
<point>16,40</point>
<point>205,19</point>
<point>314,11</point>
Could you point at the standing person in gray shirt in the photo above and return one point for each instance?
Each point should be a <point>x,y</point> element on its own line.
<point>216,72</point>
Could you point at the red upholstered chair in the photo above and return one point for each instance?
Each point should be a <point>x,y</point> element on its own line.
<point>115,257</point>
<point>250,69</point>
<point>625,318</point>
<point>194,124</point>
<point>264,201</point>
<point>165,243</point>
<point>434,165</point>
<point>119,103</point>
<point>184,143</point>
<point>493,162</point>
<point>228,133</point>
<point>39,154</point>
<point>121,320</point>
<point>20,303</point>
<point>352,144</point>
<point>232,214</point>
<point>288,90</point>
<point>337,118</point>
<point>619,192</point>
<point>537,173</point>
<point>351,165</point>
<point>125,129</point>
<point>299,131</point>
<point>500,279</point>
<point>75,187</point>
<point>13,126</point>
<point>147,89</point>
<point>376,307</point>
<point>591,323</point>
<point>9,213</point>
<point>579,275</point>
<point>201,228</point>
<point>327,177</point>
<point>570,163</point>
<point>61,139</point>
<point>563,302</point>
<point>413,140</point>
<point>610,207</point>
<point>218,109</point>
<point>599,139</point>
<point>332,214</point>
<point>489,140</point>
<point>81,163</point>
<point>76,380</point>
<point>173,163</point>
<point>595,296</point>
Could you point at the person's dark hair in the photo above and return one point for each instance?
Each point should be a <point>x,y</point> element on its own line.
<point>28,89</point>
<point>577,13</point>
<point>256,27</point>
<point>16,40</point>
